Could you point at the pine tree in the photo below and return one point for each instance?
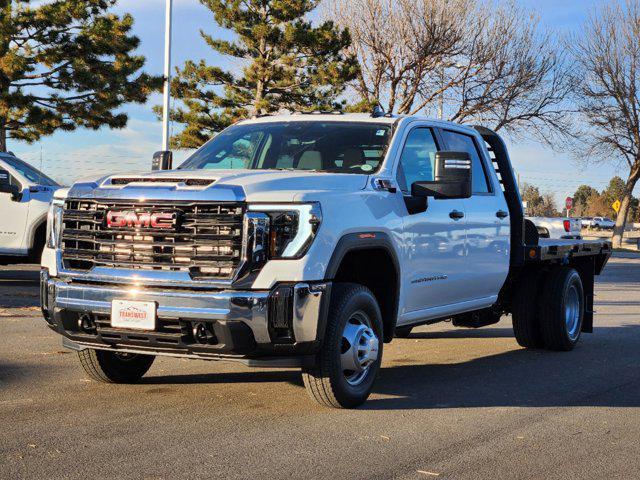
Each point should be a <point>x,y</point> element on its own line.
<point>581,199</point>
<point>615,190</point>
<point>288,64</point>
<point>66,64</point>
<point>538,205</point>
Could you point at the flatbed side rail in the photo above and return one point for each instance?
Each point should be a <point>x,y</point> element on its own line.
<point>564,251</point>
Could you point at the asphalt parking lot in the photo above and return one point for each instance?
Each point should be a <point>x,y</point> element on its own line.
<point>450,404</point>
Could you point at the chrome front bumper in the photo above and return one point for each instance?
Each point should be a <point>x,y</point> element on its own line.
<point>255,309</point>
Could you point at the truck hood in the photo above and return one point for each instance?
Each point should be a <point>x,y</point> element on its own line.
<point>249,185</point>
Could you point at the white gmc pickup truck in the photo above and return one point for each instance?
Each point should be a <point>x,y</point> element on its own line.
<point>25,195</point>
<point>309,241</point>
<point>557,227</point>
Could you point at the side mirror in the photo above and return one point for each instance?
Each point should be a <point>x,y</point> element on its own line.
<point>7,187</point>
<point>452,177</point>
<point>162,160</point>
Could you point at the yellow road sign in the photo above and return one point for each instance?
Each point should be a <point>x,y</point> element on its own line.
<point>616,206</point>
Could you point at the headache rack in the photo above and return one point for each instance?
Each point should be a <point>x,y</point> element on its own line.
<point>205,240</point>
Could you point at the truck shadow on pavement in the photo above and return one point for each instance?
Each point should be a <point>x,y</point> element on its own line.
<point>254,376</point>
<point>604,370</point>
<point>596,373</point>
<point>462,333</point>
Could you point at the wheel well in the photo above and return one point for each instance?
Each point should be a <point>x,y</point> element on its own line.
<point>376,269</point>
<point>39,239</point>
<point>39,235</point>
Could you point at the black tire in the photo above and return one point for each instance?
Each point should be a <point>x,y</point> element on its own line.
<point>326,382</point>
<point>111,367</point>
<point>562,287</point>
<point>403,332</point>
<point>39,239</point>
<point>525,313</point>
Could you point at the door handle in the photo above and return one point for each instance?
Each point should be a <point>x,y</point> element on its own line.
<point>502,214</point>
<point>456,215</point>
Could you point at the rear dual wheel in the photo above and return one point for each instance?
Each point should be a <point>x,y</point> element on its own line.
<point>525,314</point>
<point>562,309</point>
<point>548,309</point>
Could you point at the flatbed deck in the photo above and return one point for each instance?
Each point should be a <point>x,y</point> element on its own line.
<point>562,250</point>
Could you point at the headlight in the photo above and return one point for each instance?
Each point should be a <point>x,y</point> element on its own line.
<point>292,227</point>
<point>54,224</point>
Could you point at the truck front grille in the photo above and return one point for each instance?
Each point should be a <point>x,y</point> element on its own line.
<point>205,240</point>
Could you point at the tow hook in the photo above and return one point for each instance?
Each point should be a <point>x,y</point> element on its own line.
<point>203,333</point>
<point>86,323</point>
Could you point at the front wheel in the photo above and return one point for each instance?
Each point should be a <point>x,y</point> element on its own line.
<point>114,367</point>
<point>350,357</point>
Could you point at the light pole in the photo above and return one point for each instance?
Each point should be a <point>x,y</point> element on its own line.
<point>167,76</point>
<point>441,99</point>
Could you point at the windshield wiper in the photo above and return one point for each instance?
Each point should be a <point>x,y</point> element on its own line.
<point>291,169</point>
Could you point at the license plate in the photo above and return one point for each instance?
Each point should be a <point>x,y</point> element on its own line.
<point>133,315</point>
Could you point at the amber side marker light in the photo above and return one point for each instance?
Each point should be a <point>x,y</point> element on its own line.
<point>532,253</point>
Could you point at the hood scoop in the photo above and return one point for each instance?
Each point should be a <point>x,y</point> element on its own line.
<point>189,182</point>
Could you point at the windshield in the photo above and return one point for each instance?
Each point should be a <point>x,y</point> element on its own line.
<point>30,173</point>
<point>317,146</point>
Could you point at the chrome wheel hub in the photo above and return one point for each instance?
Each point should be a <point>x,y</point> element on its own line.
<point>572,313</point>
<point>359,348</point>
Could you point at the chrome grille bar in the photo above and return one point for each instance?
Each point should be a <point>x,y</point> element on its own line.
<point>206,241</point>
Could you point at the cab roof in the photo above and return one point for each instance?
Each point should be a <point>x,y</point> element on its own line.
<point>351,117</point>
<point>322,117</point>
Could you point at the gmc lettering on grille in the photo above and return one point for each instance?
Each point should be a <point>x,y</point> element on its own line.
<point>131,219</point>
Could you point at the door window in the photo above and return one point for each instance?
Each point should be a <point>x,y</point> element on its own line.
<point>30,173</point>
<point>418,159</point>
<point>459,142</point>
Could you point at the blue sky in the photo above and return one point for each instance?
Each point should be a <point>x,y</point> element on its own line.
<point>72,155</point>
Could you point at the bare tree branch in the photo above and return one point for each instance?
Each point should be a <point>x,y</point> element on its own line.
<point>478,61</point>
<point>608,60</point>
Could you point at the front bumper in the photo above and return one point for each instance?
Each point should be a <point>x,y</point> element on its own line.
<point>284,324</point>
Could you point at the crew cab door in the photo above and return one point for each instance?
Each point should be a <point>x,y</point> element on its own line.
<point>433,267</point>
<point>14,211</point>
<point>488,225</point>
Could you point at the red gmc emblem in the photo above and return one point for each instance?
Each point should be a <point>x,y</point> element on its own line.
<point>131,219</point>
